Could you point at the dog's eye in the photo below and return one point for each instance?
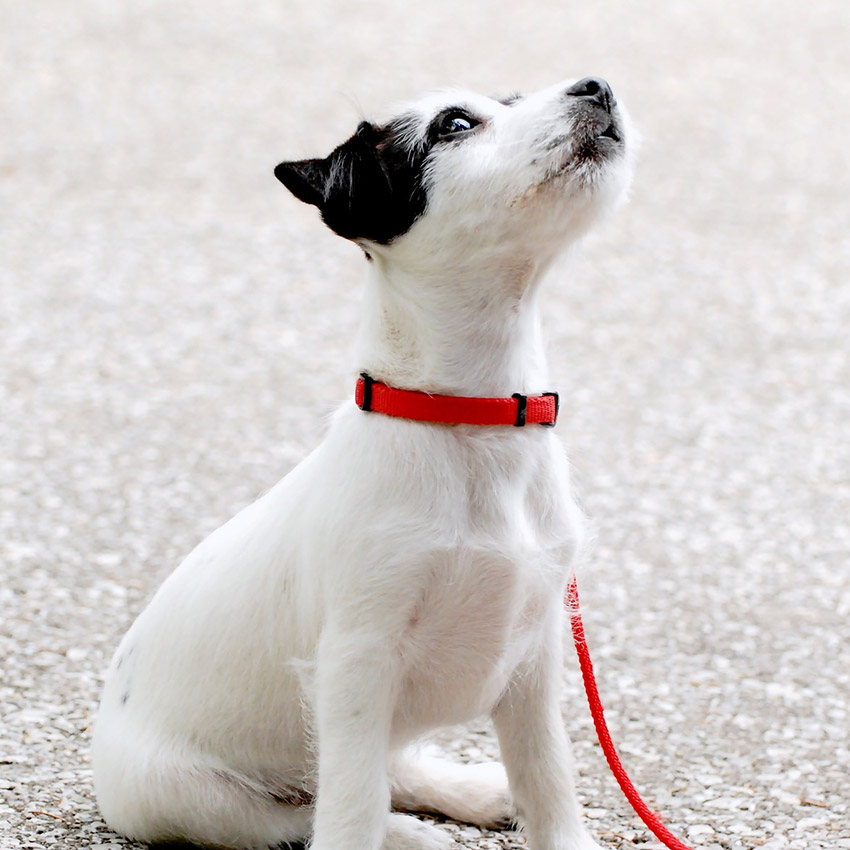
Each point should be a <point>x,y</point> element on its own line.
<point>454,123</point>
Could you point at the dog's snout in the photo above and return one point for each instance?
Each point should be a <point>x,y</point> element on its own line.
<point>594,89</point>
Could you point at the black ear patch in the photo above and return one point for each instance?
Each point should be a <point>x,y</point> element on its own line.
<point>370,187</point>
<point>305,179</point>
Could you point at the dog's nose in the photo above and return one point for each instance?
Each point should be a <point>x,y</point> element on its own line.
<point>594,89</point>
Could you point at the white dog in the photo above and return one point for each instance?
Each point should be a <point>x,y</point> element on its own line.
<point>408,574</point>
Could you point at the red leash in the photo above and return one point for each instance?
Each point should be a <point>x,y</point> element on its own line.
<point>652,821</point>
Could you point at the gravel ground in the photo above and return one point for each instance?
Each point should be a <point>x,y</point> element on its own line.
<point>175,328</point>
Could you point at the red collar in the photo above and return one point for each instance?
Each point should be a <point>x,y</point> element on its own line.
<point>519,409</point>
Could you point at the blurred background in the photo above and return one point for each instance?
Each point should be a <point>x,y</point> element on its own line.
<point>175,328</point>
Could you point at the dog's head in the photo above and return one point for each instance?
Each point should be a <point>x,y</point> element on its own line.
<point>458,172</point>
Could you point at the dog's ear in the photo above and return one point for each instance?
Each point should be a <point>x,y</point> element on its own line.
<point>305,178</point>
<point>359,191</point>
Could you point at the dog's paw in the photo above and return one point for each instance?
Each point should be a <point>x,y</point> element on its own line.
<point>581,842</point>
<point>405,832</point>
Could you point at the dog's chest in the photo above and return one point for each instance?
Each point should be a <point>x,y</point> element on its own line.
<point>472,553</point>
<point>481,616</point>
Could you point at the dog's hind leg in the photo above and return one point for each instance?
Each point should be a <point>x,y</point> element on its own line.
<point>210,807</point>
<point>470,793</point>
<point>165,794</point>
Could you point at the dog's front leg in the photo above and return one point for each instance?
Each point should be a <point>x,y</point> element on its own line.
<point>356,684</point>
<point>537,753</point>
<point>357,680</point>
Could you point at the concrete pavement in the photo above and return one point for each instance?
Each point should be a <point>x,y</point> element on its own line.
<point>174,328</point>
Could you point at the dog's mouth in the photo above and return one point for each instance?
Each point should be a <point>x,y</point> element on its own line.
<point>597,137</point>
<point>611,132</point>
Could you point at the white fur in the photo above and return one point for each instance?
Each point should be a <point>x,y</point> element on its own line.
<point>405,575</point>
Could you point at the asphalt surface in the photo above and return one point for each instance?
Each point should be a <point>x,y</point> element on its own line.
<point>174,329</point>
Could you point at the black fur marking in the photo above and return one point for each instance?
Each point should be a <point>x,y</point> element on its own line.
<point>124,697</point>
<point>122,658</point>
<point>370,187</point>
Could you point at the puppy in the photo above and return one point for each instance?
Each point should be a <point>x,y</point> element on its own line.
<point>408,574</point>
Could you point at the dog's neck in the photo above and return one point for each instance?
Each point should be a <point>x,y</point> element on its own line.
<point>471,331</point>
